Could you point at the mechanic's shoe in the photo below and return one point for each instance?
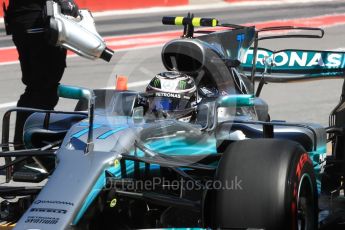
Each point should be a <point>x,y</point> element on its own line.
<point>29,174</point>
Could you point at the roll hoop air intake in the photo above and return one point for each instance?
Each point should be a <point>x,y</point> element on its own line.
<point>79,36</point>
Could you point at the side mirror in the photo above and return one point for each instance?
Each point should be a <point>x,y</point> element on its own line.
<point>240,100</point>
<point>73,92</point>
<point>235,100</point>
<point>77,93</point>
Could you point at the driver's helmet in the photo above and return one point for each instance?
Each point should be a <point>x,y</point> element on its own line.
<point>173,95</point>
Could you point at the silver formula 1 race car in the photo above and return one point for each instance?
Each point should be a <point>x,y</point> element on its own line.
<point>121,160</point>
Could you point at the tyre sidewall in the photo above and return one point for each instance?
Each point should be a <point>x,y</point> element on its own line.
<point>300,170</point>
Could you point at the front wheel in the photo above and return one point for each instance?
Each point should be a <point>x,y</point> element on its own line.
<point>276,187</point>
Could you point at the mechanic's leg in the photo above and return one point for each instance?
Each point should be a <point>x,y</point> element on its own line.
<point>42,68</point>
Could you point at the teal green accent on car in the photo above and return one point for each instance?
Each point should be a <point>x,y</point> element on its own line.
<point>236,100</point>
<point>111,132</point>
<point>121,122</point>
<point>73,92</point>
<point>85,131</point>
<point>103,136</point>
<point>182,146</point>
<point>83,124</point>
<point>298,61</point>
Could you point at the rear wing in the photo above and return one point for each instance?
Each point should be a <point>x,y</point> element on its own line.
<point>293,64</point>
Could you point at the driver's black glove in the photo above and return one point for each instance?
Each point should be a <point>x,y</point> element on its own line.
<point>68,7</point>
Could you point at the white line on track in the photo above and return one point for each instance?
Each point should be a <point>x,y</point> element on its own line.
<point>9,63</point>
<point>7,47</point>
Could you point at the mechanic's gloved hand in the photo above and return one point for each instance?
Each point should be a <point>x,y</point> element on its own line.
<point>69,7</point>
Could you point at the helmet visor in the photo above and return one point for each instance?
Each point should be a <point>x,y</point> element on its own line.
<point>168,104</point>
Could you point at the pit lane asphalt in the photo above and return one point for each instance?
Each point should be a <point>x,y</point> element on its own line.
<point>305,101</point>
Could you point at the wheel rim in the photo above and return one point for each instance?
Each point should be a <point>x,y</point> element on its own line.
<point>305,204</point>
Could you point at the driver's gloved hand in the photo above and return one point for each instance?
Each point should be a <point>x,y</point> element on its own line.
<point>69,7</point>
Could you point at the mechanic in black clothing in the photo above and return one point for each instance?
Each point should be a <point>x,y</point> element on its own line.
<point>42,64</point>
